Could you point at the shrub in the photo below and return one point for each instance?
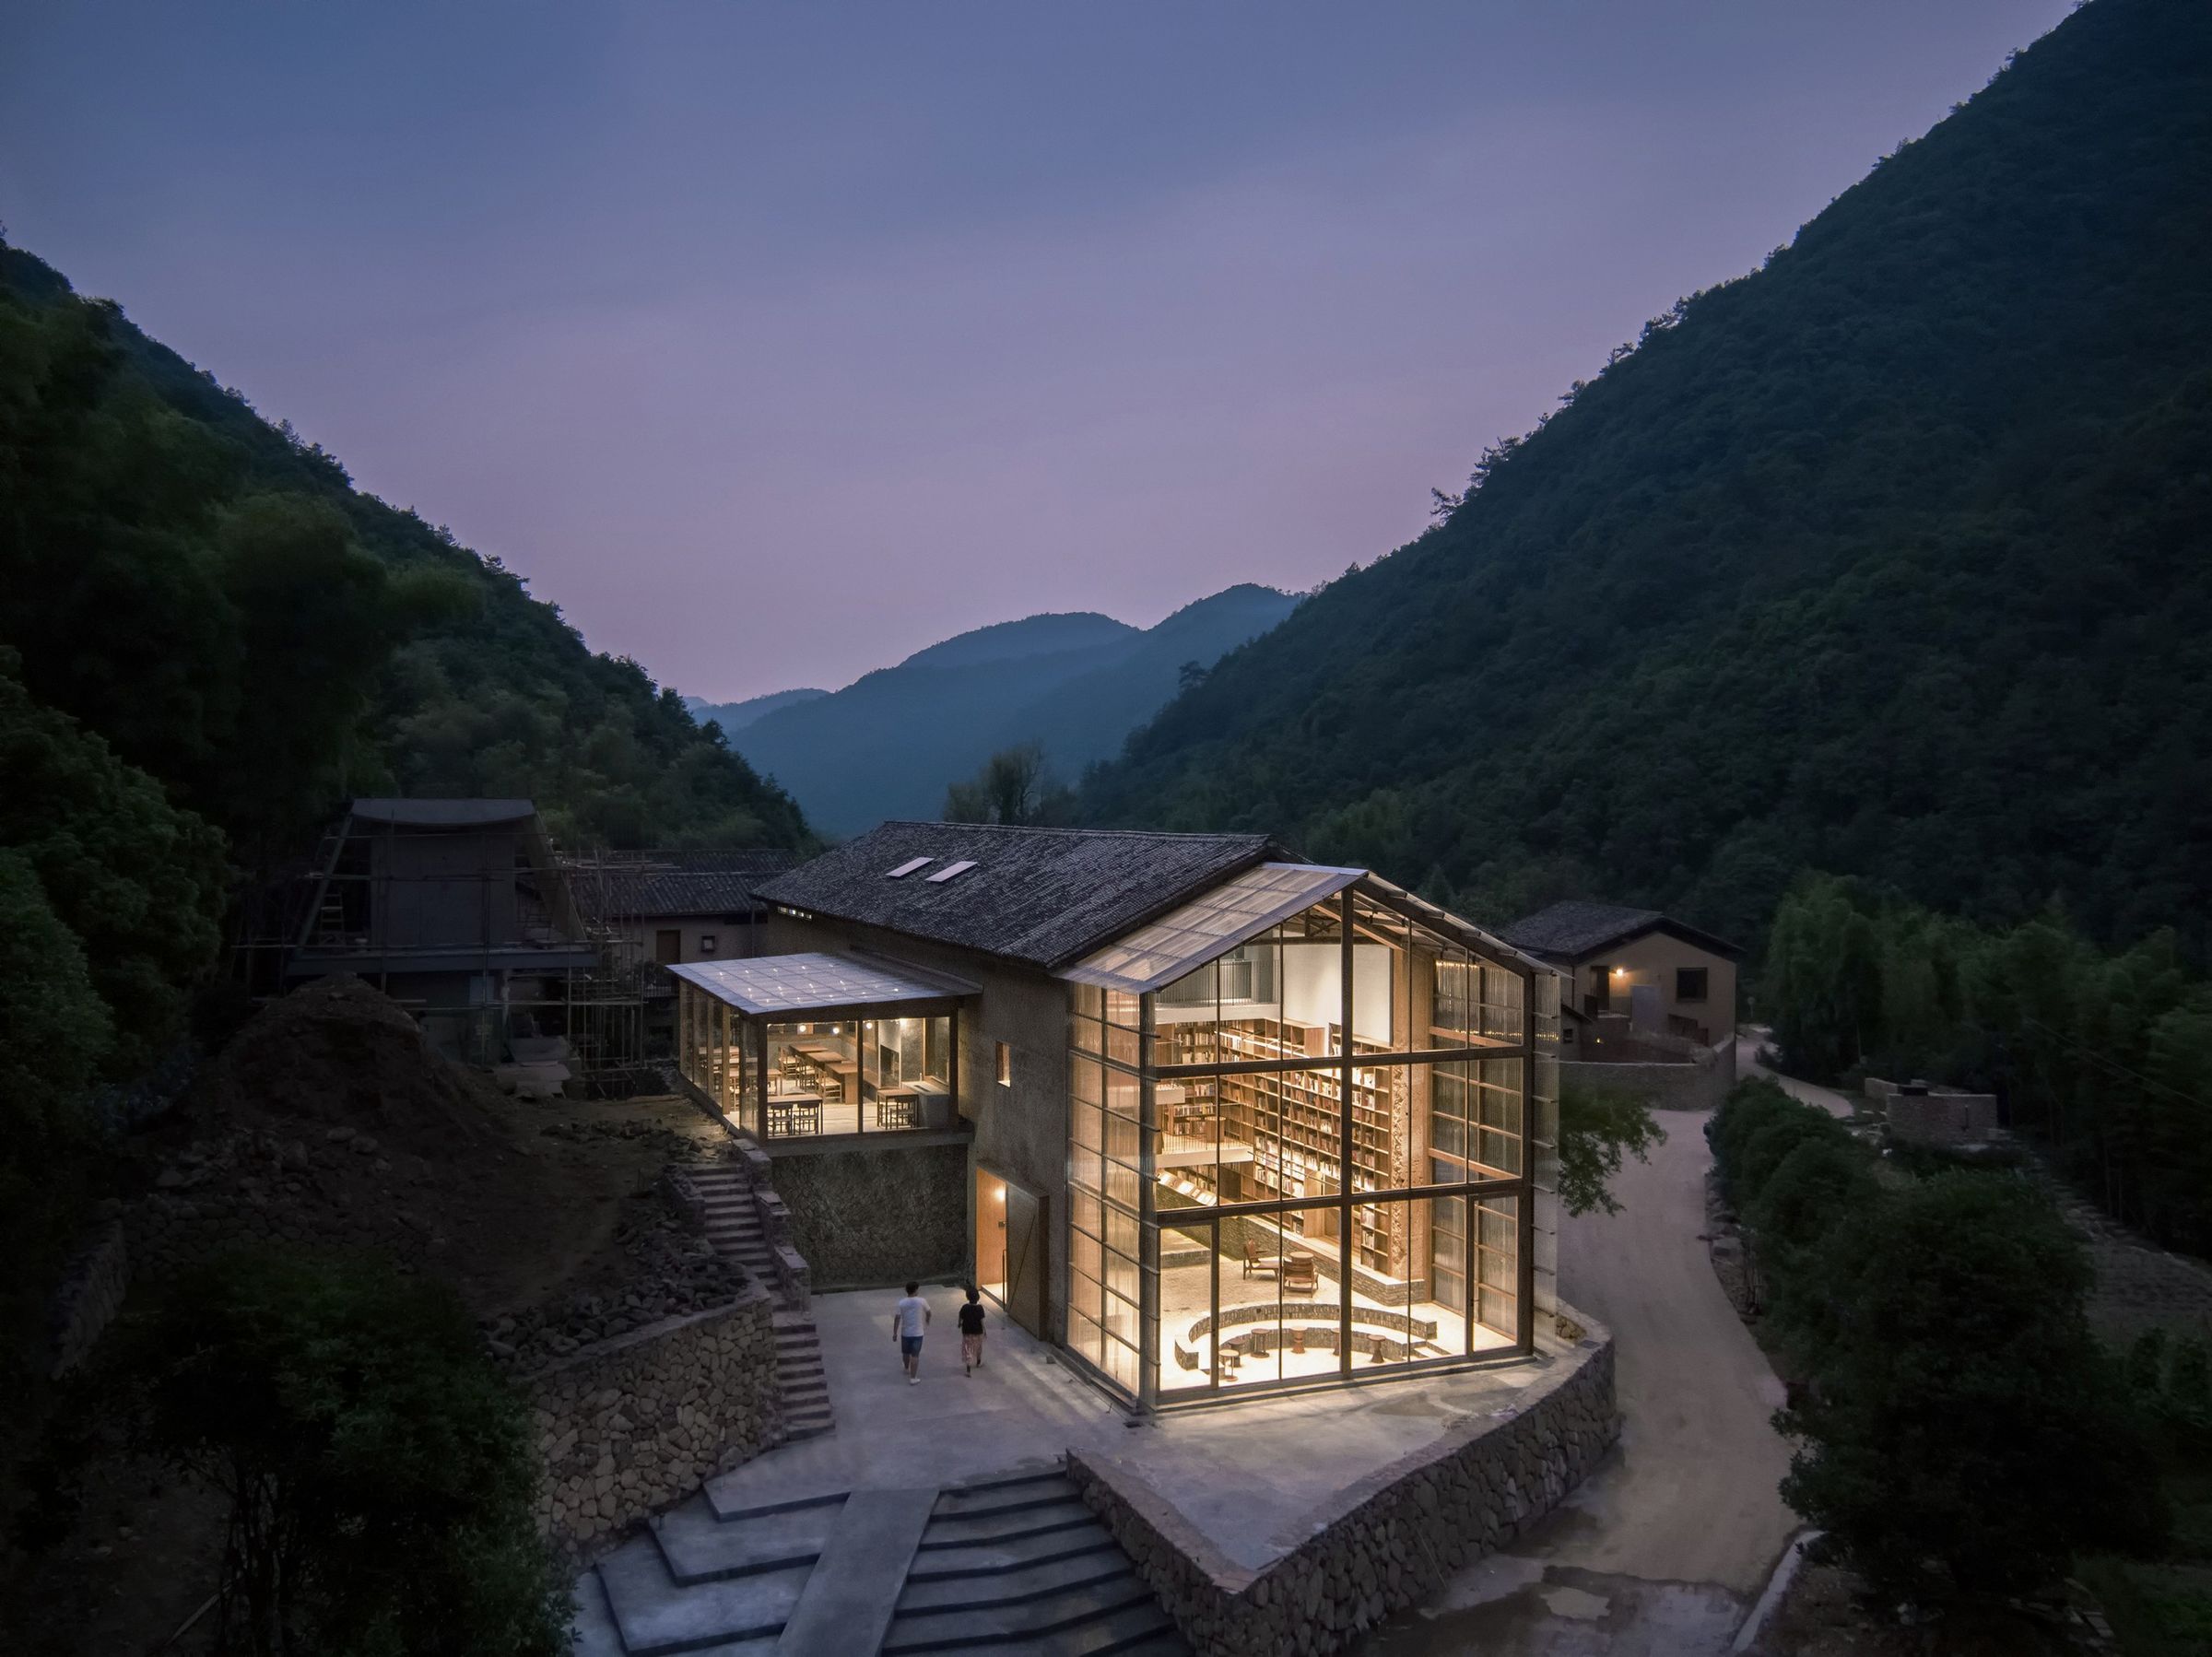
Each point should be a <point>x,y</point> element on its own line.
<point>380,1477</point>
<point>1965,1433</point>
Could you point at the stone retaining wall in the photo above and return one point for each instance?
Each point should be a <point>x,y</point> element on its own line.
<point>631,1424</point>
<point>1385,1542</point>
<point>1699,1084</point>
<point>89,1297</point>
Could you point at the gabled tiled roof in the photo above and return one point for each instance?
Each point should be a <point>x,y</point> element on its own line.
<point>1042,897</point>
<point>1570,930</point>
<point>676,883</point>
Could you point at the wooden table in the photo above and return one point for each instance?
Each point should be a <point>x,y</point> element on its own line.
<point>841,1066</point>
<point>791,1114</point>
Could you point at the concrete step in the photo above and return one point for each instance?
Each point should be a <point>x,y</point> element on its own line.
<point>1004,1525</point>
<point>656,1615</point>
<point>1052,1614</point>
<point>1099,1564</point>
<point>1135,1631</point>
<point>1063,1540</point>
<point>698,1545</point>
<point>596,1634</point>
<point>807,1426</point>
<point>1007,1495</point>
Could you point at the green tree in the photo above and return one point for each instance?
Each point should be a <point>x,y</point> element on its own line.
<point>378,1471</point>
<point>1598,1127</point>
<point>1966,1434</point>
<point>1014,786</point>
<point>138,882</point>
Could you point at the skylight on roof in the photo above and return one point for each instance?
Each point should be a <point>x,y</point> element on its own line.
<point>951,870</point>
<point>1208,925</point>
<point>909,867</point>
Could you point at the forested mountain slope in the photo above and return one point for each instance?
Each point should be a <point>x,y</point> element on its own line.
<point>212,597</point>
<point>887,745</point>
<point>1892,559</point>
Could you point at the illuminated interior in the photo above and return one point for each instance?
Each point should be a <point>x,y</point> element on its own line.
<point>1231,1223</point>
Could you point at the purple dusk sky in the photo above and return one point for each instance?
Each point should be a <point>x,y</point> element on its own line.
<point>775,342</point>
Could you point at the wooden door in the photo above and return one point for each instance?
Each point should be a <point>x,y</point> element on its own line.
<point>668,947</point>
<point>1025,1259</point>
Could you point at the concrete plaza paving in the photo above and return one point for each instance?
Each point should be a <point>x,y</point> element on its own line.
<point>1250,1475</point>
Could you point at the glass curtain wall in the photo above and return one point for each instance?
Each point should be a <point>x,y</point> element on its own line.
<point>794,1078</point>
<point>1308,1158</point>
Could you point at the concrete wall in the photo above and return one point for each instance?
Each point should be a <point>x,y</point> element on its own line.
<point>635,1423</point>
<point>736,937</point>
<point>1699,1084</point>
<point>868,1216</point>
<point>1653,959</point>
<point>1388,1540</point>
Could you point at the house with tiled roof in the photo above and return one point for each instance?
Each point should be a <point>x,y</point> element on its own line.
<point>1664,976</point>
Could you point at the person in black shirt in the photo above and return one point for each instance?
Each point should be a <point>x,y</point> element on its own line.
<point>972,1331</point>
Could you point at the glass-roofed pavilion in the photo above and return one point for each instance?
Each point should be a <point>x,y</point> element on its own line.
<point>809,1045</point>
<point>1308,1112</point>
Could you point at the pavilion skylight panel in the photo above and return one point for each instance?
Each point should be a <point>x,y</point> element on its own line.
<point>1186,938</point>
<point>952,871</point>
<point>909,867</point>
<point>801,983</point>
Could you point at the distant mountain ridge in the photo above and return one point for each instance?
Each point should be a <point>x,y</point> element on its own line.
<point>1076,682</point>
<point>735,716</point>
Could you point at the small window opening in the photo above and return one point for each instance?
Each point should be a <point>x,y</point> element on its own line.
<point>1005,1066</point>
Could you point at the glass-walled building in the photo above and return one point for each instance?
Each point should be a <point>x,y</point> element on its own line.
<point>808,1046</point>
<point>1309,1115</point>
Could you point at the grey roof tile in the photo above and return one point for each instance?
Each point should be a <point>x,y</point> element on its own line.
<point>1039,895</point>
<point>1572,929</point>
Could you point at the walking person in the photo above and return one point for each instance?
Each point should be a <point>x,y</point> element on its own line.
<point>910,1318</point>
<point>972,1331</point>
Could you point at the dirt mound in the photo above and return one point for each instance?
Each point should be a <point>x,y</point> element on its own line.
<point>339,1054</point>
<point>329,1121</point>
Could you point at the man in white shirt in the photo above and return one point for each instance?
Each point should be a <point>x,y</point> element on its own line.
<point>908,1319</point>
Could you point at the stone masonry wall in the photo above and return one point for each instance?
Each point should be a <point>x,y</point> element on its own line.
<point>631,1424</point>
<point>1388,1540</point>
<point>91,1295</point>
<point>866,1218</point>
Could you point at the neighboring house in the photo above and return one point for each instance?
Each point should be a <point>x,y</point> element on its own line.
<point>458,911</point>
<point>661,909</point>
<point>1663,977</point>
<point>1106,1074</point>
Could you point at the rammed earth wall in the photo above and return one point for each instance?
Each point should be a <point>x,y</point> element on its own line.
<point>863,1217</point>
<point>1385,1542</point>
<point>631,1424</point>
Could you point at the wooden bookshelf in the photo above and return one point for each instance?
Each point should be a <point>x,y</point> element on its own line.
<point>1293,1119</point>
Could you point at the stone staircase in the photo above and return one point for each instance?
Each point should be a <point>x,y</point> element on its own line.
<point>734,1227</point>
<point>1015,1566</point>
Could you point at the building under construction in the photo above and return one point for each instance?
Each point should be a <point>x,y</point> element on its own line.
<point>504,949</point>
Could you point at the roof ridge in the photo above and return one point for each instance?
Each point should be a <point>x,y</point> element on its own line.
<point>1207,834</point>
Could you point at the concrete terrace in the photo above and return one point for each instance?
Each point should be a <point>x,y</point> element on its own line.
<point>1250,1476</point>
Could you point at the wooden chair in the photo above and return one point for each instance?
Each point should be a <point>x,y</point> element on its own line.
<point>1299,1275</point>
<point>1255,1263</point>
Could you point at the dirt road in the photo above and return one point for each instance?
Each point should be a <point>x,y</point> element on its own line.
<point>1662,1551</point>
